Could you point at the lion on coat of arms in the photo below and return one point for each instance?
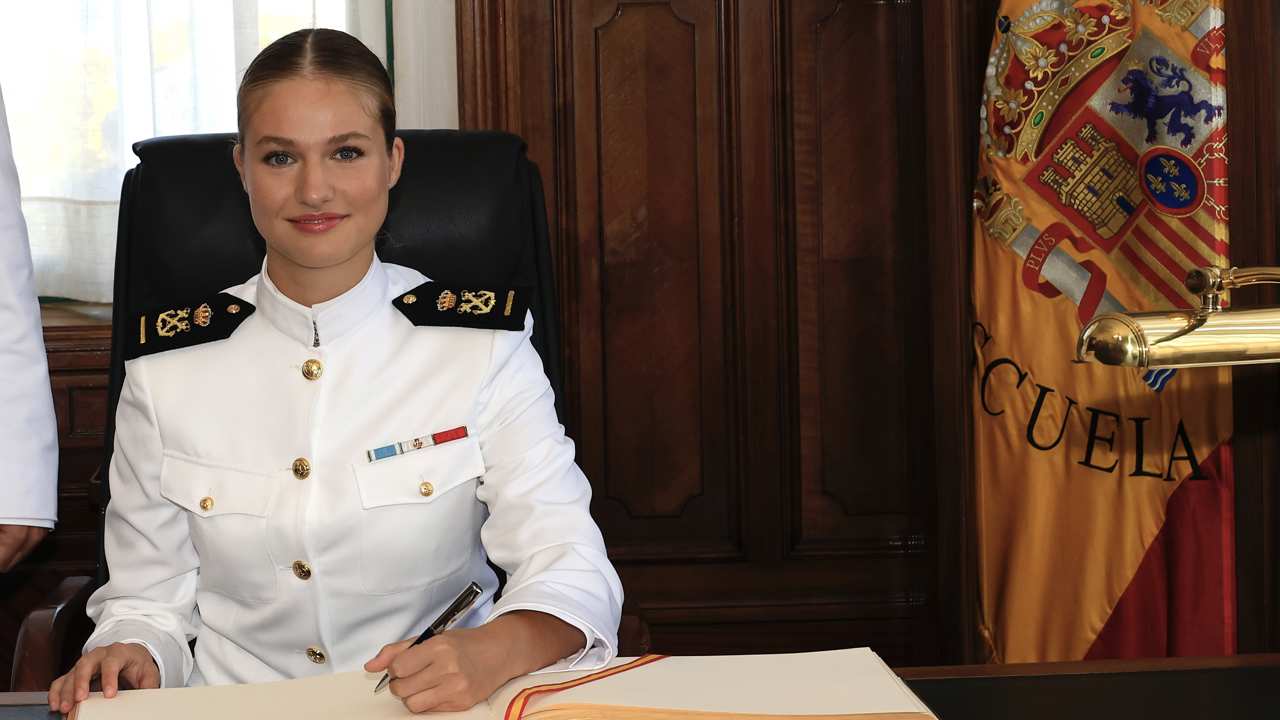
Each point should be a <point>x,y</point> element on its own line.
<point>1147,103</point>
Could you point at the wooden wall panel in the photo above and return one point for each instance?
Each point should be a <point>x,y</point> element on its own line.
<point>949,229</point>
<point>648,264</point>
<point>746,277</point>
<point>854,238</point>
<point>1253,94</point>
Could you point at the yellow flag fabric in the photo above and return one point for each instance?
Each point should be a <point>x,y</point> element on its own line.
<point>1101,181</point>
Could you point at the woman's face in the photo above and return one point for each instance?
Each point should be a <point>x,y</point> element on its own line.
<point>315,165</point>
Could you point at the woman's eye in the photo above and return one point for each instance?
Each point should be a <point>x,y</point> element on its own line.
<point>276,159</point>
<point>348,153</point>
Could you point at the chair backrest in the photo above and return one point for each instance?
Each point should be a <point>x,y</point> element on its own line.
<point>468,210</point>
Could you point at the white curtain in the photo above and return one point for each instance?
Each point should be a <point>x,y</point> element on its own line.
<point>85,79</point>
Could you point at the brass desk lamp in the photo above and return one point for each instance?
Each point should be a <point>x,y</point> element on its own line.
<point>1189,338</point>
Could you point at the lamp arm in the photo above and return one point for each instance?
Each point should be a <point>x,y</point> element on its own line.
<point>1205,336</point>
<point>1216,279</point>
<point>1210,282</point>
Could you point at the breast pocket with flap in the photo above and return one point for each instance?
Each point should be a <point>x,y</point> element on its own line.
<point>228,519</point>
<point>420,519</point>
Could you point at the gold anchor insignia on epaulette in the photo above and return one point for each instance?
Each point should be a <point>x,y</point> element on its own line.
<point>477,303</point>
<point>172,322</point>
<point>203,315</point>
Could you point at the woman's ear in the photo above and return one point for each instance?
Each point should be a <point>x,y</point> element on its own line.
<point>237,156</point>
<point>397,159</point>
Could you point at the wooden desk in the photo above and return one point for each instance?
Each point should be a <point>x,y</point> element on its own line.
<point>1247,686</point>
<point>24,706</point>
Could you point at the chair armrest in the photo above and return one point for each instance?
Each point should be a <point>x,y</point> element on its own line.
<point>38,656</point>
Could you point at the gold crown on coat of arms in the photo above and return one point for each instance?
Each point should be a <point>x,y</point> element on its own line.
<point>1039,57</point>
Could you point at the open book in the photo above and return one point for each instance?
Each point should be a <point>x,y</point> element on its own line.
<point>853,684</point>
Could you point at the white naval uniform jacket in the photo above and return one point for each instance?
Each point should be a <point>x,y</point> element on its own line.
<point>209,524</point>
<point>28,429</point>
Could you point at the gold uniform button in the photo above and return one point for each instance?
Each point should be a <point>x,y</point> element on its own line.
<point>233,308</point>
<point>410,299</point>
<point>316,655</point>
<point>302,468</point>
<point>301,570</point>
<point>426,489</point>
<point>312,369</point>
<point>206,503</point>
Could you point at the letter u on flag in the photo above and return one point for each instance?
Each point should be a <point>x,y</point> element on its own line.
<point>1104,495</point>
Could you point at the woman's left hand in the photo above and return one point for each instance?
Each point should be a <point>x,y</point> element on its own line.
<point>459,668</point>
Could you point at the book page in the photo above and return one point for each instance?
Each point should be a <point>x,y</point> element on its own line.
<point>341,696</point>
<point>837,682</point>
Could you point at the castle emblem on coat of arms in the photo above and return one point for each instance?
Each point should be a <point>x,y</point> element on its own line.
<point>1091,176</point>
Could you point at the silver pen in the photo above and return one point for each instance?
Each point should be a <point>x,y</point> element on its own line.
<point>455,612</point>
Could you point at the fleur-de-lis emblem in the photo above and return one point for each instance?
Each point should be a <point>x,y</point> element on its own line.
<point>1170,167</point>
<point>446,301</point>
<point>1155,182</point>
<point>172,322</point>
<point>203,315</point>
<point>477,303</point>
<point>1180,191</point>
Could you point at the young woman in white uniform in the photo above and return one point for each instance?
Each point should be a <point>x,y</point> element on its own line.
<point>246,511</point>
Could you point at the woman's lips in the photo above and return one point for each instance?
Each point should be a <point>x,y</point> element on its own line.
<point>316,224</point>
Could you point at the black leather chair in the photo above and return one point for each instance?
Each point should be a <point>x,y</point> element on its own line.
<point>468,209</point>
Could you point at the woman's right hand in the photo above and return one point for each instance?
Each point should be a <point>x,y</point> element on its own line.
<point>127,665</point>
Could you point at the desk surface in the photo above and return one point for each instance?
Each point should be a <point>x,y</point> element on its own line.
<point>24,706</point>
<point>1245,686</point>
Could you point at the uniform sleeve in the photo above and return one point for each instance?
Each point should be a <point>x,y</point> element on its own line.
<point>539,528</point>
<point>150,598</point>
<point>28,433</point>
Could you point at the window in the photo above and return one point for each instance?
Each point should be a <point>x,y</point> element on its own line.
<point>83,80</point>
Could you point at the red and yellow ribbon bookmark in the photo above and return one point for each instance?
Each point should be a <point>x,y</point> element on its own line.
<point>516,708</point>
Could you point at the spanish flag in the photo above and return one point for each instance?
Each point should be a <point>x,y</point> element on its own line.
<point>1104,495</point>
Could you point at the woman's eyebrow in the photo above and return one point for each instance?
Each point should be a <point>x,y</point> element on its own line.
<point>344,137</point>
<point>274,140</point>
<point>286,142</point>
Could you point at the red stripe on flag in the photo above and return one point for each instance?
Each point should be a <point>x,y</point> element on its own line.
<point>1153,277</point>
<point>1210,240</point>
<point>1157,252</point>
<point>1182,600</point>
<point>1177,240</point>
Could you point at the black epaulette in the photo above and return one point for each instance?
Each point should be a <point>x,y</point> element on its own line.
<point>440,305</point>
<point>186,325</point>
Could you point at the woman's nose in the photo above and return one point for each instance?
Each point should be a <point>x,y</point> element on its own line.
<point>314,186</point>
